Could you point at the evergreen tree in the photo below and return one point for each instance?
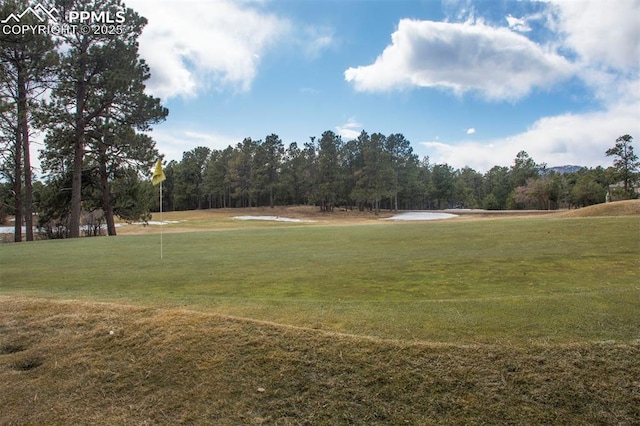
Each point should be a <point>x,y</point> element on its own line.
<point>268,165</point>
<point>100,84</point>
<point>377,178</point>
<point>523,168</point>
<point>189,179</point>
<point>326,187</point>
<point>626,164</point>
<point>401,158</point>
<point>28,61</point>
<point>443,180</point>
<point>240,170</point>
<point>217,178</point>
<point>468,190</point>
<point>497,188</point>
<point>296,174</point>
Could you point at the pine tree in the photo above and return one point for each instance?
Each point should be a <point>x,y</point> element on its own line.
<point>100,88</point>
<point>28,64</point>
<point>625,163</point>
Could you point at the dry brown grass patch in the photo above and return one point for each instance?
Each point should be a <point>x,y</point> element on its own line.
<point>111,364</point>
<point>617,208</point>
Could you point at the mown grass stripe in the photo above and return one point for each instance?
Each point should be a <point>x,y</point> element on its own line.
<point>515,278</point>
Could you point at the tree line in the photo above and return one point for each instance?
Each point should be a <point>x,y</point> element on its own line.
<point>85,92</point>
<point>374,172</point>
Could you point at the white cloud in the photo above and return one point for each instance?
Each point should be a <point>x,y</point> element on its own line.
<point>580,139</point>
<point>173,143</point>
<point>193,45</point>
<point>471,131</point>
<point>459,10</point>
<point>518,24</point>
<point>350,130</point>
<point>315,39</point>
<point>602,33</point>
<point>496,62</point>
<point>604,37</point>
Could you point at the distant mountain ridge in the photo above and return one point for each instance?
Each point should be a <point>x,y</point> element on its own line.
<point>563,169</point>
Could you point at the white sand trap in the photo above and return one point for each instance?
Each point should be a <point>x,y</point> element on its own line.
<point>422,216</point>
<point>153,222</point>
<point>271,218</point>
<point>10,229</point>
<point>149,223</point>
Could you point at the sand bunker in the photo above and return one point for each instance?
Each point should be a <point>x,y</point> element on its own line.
<point>153,222</point>
<point>422,216</point>
<point>11,229</point>
<point>271,218</point>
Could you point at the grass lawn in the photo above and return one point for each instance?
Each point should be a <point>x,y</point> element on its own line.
<point>500,321</point>
<point>86,364</point>
<point>507,321</point>
<point>534,279</point>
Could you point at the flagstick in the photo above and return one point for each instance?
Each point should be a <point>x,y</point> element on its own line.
<point>161,221</point>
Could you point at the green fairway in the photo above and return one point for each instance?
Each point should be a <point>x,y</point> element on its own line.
<point>541,279</point>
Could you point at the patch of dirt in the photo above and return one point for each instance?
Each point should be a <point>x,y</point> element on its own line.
<point>27,364</point>
<point>11,348</point>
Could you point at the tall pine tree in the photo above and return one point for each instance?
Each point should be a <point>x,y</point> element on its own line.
<point>100,89</point>
<point>28,62</point>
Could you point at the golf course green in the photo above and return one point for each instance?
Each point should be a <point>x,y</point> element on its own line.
<point>516,319</point>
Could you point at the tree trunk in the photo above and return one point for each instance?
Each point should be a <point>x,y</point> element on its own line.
<point>106,192</point>
<point>24,130</point>
<point>271,196</point>
<point>28,191</point>
<point>76,182</point>
<point>17,185</point>
<point>78,156</point>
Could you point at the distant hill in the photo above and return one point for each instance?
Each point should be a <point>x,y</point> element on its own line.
<point>563,169</point>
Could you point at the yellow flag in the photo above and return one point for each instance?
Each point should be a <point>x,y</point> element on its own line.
<point>158,174</point>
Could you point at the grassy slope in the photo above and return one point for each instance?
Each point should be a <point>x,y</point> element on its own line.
<point>59,364</point>
<point>617,208</point>
<point>528,296</point>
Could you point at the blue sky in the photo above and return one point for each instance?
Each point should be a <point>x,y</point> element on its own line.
<point>469,83</point>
